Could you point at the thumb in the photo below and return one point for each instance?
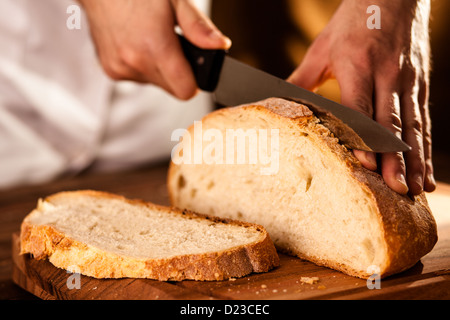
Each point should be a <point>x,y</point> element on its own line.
<point>313,70</point>
<point>197,27</point>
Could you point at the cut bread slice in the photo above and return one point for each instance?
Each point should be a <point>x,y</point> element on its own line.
<point>313,197</point>
<point>103,235</point>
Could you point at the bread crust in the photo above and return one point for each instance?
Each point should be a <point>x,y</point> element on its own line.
<point>46,242</point>
<point>408,225</point>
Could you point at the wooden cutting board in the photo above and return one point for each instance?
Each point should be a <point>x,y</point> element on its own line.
<point>293,279</point>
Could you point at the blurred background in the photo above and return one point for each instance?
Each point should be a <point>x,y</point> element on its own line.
<point>278,33</point>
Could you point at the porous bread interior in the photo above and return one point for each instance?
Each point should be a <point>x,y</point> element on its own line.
<point>138,231</point>
<point>311,207</point>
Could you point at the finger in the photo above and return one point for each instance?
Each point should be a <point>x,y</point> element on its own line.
<point>164,63</point>
<point>356,93</point>
<point>393,171</point>
<point>367,159</point>
<point>429,182</point>
<point>412,135</point>
<point>387,113</point>
<point>197,27</point>
<point>164,66</point>
<point>158,79</point>
<point>313,70</point>
<point>131,66</point>
<point>356,89</point>
<point>134,66</point>
<point>175,69</point>
<point>112,62</point>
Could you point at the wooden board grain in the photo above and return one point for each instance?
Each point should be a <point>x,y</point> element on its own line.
<point>428,279</point>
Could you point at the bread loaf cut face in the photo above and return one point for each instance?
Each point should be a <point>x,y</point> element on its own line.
<point>317,203</point>
<point>103,235</point>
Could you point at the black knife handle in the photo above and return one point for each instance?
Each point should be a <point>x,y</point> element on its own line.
<point>206,64</point>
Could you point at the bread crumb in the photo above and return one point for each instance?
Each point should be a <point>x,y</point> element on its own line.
<point>263,286</point>
<point>309,280</point>
<point>274,290</point>
<point>232,279</point>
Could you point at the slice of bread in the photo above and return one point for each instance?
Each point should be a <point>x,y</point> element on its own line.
<point>317,202</point>
<point>103,235</point>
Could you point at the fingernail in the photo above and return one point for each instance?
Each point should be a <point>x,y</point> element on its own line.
<point>401,178</point>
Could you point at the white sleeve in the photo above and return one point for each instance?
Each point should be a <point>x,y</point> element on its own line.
<point>59,111</point>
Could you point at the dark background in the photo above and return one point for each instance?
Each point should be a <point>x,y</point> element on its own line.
<point>274,36</point>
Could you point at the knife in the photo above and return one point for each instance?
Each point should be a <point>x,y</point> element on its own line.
<point>234,83</point>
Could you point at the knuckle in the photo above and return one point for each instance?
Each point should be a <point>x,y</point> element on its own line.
<point>130,57</point>
<point>369,55</point>
<point>392,121</point>
<point>115,70</point>
<point>399,160</point>
<point>414,124</point>
<point>111,71</point>
<point>427,138</point>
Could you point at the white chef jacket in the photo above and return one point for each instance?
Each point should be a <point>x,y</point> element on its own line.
<point>60,113</point>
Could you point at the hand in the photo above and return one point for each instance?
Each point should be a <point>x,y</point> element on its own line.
<point>135,40</point>
<point>383,73</point>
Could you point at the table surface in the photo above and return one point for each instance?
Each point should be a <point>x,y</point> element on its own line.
<point>430,279</point>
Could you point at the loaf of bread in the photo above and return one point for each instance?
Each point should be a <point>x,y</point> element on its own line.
<point>103,235</point>
<point>274,163</point>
